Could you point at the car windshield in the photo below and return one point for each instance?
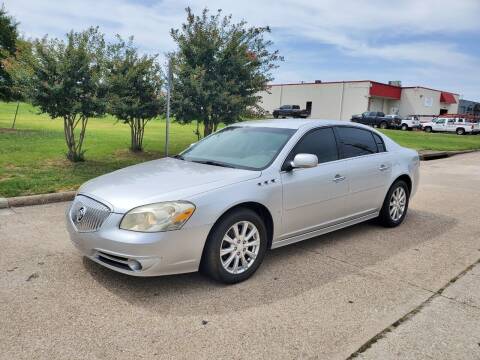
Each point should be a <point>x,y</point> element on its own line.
<point>245,147</point>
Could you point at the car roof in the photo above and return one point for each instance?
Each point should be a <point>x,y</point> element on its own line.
<point>295,123</point>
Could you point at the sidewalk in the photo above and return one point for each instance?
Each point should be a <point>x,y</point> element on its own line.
<point>444,327</point>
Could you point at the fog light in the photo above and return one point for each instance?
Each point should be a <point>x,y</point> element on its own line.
<point>134,265</point>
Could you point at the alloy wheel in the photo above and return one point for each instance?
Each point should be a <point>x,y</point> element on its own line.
<point>397,204</point>
<point>239,247</point>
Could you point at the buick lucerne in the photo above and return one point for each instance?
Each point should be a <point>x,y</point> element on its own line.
<point>223,202</point>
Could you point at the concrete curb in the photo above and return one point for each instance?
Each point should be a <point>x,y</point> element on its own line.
<point>433,155</point>
<point>36,199</point>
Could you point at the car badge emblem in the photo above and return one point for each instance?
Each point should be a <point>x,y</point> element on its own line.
<point>80,214</point>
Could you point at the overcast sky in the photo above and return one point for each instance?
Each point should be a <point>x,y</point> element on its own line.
<point>432,43</point>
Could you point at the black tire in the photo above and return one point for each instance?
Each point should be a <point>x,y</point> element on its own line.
<point>385,218</point>
<point>383,125</point>
<point>427,129</point>
<point>211,262</point>
<point>404,127</point>
<point>275,116</point>
<point>460,131</point>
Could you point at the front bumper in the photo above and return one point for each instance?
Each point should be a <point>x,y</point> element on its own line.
<point>162,253</point>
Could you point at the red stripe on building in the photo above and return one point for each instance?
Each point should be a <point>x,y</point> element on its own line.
<point>386,91</point>
<point>447,98</point>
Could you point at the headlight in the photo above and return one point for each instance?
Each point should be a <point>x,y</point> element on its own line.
<point>163,216</point>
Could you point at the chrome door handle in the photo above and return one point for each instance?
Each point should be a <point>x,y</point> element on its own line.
<point>338,178</point>
<point>383,167</point>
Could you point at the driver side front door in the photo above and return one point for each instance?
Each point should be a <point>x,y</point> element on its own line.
<point>314,197</point>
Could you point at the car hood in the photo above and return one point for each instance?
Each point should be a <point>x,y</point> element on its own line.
<point>160,180</point>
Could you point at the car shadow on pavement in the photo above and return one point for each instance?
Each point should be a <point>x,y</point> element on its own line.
<point>286,272</point>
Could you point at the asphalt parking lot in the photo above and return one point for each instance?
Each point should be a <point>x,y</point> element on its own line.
<point>365,292</point>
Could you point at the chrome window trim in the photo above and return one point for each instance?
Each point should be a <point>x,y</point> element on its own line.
<point>338,150</point>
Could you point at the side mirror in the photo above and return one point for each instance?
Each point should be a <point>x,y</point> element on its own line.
<point>303,161</point>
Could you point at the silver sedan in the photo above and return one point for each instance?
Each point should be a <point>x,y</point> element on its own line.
<point>223,202</point>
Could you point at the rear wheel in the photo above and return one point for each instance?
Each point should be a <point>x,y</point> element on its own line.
<point>235,247</point>
<point>460,131</point>
<point>427,129</point>
<point>383,125</point>
<point>395,205</point>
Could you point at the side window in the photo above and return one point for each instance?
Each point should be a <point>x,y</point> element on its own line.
<point>355,142</point>
<point>380,144</point>
<point>320,142</point>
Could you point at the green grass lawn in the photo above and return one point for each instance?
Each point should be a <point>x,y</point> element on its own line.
<point>420,140</point>
<point>32,157</point>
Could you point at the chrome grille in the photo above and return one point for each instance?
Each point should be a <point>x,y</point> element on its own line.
<point>87,214</point>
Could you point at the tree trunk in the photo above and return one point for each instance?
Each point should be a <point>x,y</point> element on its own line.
<point>15,117</point>
<point>207,128</point>
<point>74,146</point>
<point>137,130</point>
<point>197,132</point>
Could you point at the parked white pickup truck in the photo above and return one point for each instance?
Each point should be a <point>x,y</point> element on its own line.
<point>405,123</point>
<point>456,125</point>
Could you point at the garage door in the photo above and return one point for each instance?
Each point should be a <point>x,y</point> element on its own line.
<point>376,104</point>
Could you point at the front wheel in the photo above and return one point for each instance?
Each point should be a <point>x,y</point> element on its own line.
<point>460,131</point>
<point>395,205</point>
<point>275,116</point>
<point>235,247</point>
<point>404,127</point>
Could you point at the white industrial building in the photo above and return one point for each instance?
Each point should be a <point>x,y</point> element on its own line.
<point>342,99</point>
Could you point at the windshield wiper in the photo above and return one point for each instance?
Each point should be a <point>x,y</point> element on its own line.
<point>180,157</point>
<point>215,163</point>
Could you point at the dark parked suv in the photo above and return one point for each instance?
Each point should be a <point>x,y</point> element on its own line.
<point>376,119</point>
<point>290,111</point>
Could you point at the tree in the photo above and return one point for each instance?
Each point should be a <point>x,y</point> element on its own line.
<point>219,68</point>
<point>8,38</point>
<point>69,82</point>
<point>18,67</point>
<point>134,87</point>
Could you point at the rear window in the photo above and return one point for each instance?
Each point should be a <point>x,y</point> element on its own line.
<point>380,144</point>
<point>355,142</point>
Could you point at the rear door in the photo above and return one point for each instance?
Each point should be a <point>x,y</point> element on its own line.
<point>452,125</point>
<point>369,169</point>
<point>314,197</point>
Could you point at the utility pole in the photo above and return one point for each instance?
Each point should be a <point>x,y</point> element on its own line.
<point>169,90</point>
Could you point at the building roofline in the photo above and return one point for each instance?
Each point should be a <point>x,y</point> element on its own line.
<point>360,81</point>
<point>324,82</point>
<point>427,88</point>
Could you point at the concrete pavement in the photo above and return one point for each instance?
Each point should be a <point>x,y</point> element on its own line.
<point>331,297</point>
